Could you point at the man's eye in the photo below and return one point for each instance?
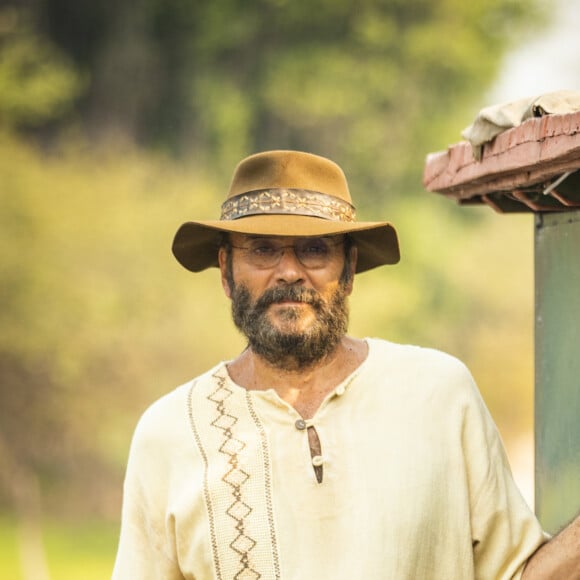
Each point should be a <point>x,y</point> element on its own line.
<point>315,248</point>
<point>263,250</point>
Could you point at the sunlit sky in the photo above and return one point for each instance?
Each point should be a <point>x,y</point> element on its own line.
<point>546,63</point>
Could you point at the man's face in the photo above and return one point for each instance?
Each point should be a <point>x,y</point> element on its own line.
<point>289,295</point>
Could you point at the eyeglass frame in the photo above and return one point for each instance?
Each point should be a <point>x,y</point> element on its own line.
<point>347,241</point>
<point>279,251</point>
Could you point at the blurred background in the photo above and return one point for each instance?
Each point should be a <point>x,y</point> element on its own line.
<point>120,120</point>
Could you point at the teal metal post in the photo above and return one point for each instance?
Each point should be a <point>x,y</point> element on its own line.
<point>557,363</point>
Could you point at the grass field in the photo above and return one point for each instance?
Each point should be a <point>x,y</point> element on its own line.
<point>74,550</point>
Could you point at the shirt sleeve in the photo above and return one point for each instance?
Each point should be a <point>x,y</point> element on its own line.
<point>505,532</point>
<point>147,540</point>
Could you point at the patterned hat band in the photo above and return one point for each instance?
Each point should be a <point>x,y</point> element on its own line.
<point>288,201</point>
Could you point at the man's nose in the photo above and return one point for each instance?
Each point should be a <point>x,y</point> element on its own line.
<point>289,269</point>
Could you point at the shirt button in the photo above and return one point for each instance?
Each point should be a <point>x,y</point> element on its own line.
<point>300,424</point>
<point>317,460</point>
<point>340,390</point>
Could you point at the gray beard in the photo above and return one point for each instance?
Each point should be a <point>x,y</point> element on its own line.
<point>291,350</point>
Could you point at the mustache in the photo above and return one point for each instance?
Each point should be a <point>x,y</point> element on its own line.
<point>289,293</point>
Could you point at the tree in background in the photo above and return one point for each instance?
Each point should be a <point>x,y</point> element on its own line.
<point>38,84</point>
<point>215,79</point>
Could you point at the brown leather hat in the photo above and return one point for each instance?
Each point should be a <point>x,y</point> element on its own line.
<point>286,193</point>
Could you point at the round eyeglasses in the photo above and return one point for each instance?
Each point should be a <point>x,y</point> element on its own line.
<point>312,253</point>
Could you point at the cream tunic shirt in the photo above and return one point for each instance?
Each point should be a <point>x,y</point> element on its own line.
<point>415,484</point>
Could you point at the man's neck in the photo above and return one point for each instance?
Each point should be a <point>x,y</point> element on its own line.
<point>304,389</point>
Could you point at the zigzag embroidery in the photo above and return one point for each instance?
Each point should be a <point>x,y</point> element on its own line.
<point>236,477</point>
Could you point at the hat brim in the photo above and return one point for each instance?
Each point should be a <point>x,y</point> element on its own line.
<point>196,244</point>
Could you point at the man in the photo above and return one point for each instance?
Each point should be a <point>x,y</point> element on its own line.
<point>315,455</point>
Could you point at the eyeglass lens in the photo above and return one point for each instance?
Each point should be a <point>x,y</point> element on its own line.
<point>311,252</point>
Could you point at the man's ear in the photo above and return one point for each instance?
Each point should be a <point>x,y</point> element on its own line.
<point>223,264</point>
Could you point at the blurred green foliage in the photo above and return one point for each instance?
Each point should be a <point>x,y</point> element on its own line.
<point>120,121</point>
<point>74,549</point>
<point>9,549</point>
<point>37,83</point>
<point>217,79</point>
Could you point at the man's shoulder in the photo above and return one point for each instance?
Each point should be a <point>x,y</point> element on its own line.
<point>397,354</point>
<point>170,412</point>
<point>410,366</point>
